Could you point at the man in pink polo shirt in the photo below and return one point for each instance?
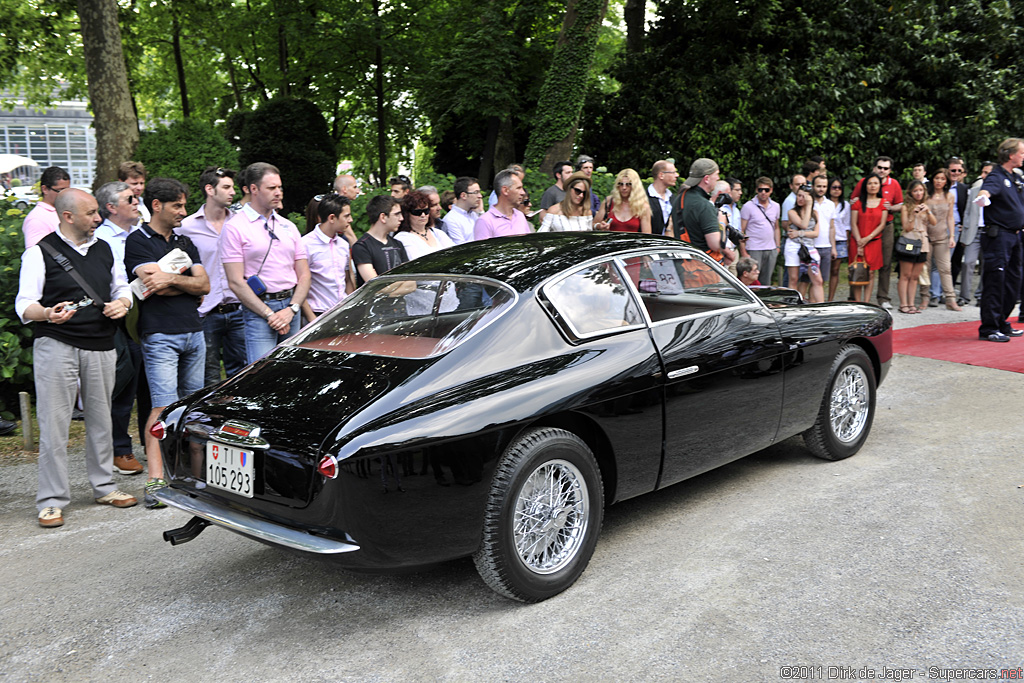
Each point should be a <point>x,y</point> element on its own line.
<point>328,255</point>
<point>503,218</point>
<point>265,263</point>
<point>42,219</point>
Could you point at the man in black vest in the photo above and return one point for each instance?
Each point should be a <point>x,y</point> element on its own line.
<point>74,343</point>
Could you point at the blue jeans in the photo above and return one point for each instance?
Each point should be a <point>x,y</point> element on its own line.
<point>225,338</point>
<point>259,338</point>
<point>174,365</point>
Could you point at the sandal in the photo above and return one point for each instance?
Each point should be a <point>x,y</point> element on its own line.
<point>907,309</point>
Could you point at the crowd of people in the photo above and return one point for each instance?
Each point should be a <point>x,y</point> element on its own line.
<point>136,302</point>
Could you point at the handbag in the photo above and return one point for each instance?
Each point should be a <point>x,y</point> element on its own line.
<point>804,253</point>
<point>859,274</point>
<point>908,246</point>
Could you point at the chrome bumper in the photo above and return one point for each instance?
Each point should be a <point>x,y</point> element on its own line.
<point>251,526</point>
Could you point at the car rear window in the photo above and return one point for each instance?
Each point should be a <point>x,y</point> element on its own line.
<point>408,317</point>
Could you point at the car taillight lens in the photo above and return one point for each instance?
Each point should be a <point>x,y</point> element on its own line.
<point>159,430</point>
<point>328,466</point>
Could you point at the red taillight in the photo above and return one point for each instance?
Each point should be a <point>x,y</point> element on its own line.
<point>159,430</point>
<point>328,466</point>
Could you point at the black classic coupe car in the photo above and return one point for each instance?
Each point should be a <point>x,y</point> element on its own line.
<point>490,399</point>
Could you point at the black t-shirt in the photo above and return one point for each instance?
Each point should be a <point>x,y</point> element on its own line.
<point>168,314</point>
<point>383,257</point>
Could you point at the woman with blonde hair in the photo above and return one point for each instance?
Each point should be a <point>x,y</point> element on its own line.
<point>572,214</point>
<point>626,208</point>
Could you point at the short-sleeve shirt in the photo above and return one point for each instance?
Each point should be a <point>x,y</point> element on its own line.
<point>207,241</point>
<point>496,224</point>
<point>1007,207</point>
<point>40,222</point>
<point>693,211</point>
<point>168,314</point>
<point>246,239</point>
<point>328,268</point>
<point>826,211</point>
<point>382,256</point>
<point>761,223</point>
<point>552,195</point>
<point>891,192</point>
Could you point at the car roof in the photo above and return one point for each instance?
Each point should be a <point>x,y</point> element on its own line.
<point>525,261</point>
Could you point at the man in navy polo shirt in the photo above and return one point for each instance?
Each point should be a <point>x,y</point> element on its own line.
<point>1002,195</point>
<point>173,347</point>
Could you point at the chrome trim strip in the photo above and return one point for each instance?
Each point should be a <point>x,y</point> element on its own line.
<point>683,372</point>
<point>241,523</point>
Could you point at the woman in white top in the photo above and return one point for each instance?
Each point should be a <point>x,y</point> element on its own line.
<point>841,219</point>
<point>572,213</point>
<point>419,236</point>
<point>803,228</point>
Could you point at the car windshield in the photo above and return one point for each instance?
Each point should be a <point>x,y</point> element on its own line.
<point>409,317</point>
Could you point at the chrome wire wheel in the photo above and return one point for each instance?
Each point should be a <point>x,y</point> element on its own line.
<point>552,512</point>
<point>850,403</point>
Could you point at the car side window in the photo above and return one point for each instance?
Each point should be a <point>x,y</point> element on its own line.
<point>594,299</point>
<point>676,285</point>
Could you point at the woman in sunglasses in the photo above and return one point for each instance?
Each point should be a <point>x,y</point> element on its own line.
<point>626,208</point>
<point>572,214</point>
<point>417,232</point>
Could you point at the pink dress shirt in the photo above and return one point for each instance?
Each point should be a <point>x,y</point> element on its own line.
<point>328,265</point>
<point>246,239</point>
<point>40,222</point>
<point>496,224</point>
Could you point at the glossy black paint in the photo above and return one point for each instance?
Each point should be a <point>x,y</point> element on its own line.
<point>436,427</point>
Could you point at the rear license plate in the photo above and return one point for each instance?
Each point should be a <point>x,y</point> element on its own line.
<point>229,468</point>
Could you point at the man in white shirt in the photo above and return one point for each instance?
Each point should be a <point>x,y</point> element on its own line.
<point>825,242</point>
<point>460,221</point>
<point>659,194</point>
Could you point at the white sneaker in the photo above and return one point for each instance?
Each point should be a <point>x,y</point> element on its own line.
<point>51,517</point>
<point>886,305</point>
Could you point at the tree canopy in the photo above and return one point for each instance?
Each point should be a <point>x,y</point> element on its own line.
<point>474,86</point>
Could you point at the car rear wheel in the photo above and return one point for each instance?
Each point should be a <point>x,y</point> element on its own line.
<point>844,420</point>
<point>543,516</point>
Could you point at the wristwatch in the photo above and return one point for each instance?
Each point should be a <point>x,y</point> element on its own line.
<point>295,308</point>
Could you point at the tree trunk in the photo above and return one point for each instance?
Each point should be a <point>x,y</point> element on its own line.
<point>378,90</point>
<point>634,14</point>
<point>116,126</point>
<point>186,110</point>
<point>282,60</point>
<point>487,156</point>
<point>504,147</point>
<point>565,86</point>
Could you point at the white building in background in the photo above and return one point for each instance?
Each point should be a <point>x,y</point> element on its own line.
<point>62,136</point>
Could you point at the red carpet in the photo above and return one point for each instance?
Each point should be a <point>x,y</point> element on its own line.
<point>959,343</point>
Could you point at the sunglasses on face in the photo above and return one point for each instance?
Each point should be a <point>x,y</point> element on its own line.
<point>418,212</point>
<point>764,189</point>
<point>883,168</point>
<point>624,184</point>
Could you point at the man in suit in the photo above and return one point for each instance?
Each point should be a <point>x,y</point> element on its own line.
<point>659,195</point>
<point>959,188</point>
<point>970,237</point>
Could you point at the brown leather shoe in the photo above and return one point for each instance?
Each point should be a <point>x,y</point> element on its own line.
<point>127,464</point>
<point>118,500</point>
<point>50,517</point>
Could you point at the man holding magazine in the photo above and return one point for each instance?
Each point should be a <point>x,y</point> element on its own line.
<point>170,331</point>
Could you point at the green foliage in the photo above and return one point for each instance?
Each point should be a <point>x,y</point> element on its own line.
<point>291,134</point>
<point>15,338</point>
<point>759,86</point>
<point>182,151</point>
<point>565,86</point>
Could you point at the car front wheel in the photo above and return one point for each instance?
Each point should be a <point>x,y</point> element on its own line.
<point>543,516</point>
<point>844,420</point>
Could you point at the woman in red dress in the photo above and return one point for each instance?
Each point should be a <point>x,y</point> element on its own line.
<point>867,220</point>
<point>627,208</point>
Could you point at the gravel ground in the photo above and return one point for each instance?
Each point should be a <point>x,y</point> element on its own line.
<point>906,556</point>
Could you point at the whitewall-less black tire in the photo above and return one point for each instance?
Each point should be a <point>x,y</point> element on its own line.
<point>543,516</point>
<point>848,408</point>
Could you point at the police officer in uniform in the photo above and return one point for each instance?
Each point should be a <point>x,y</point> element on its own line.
<point>1002,195</point>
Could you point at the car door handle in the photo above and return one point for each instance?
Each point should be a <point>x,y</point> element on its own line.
<point>683,372</point>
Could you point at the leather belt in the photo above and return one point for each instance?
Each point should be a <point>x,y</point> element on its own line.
<point>226,308</point>
<point>277,296</point>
